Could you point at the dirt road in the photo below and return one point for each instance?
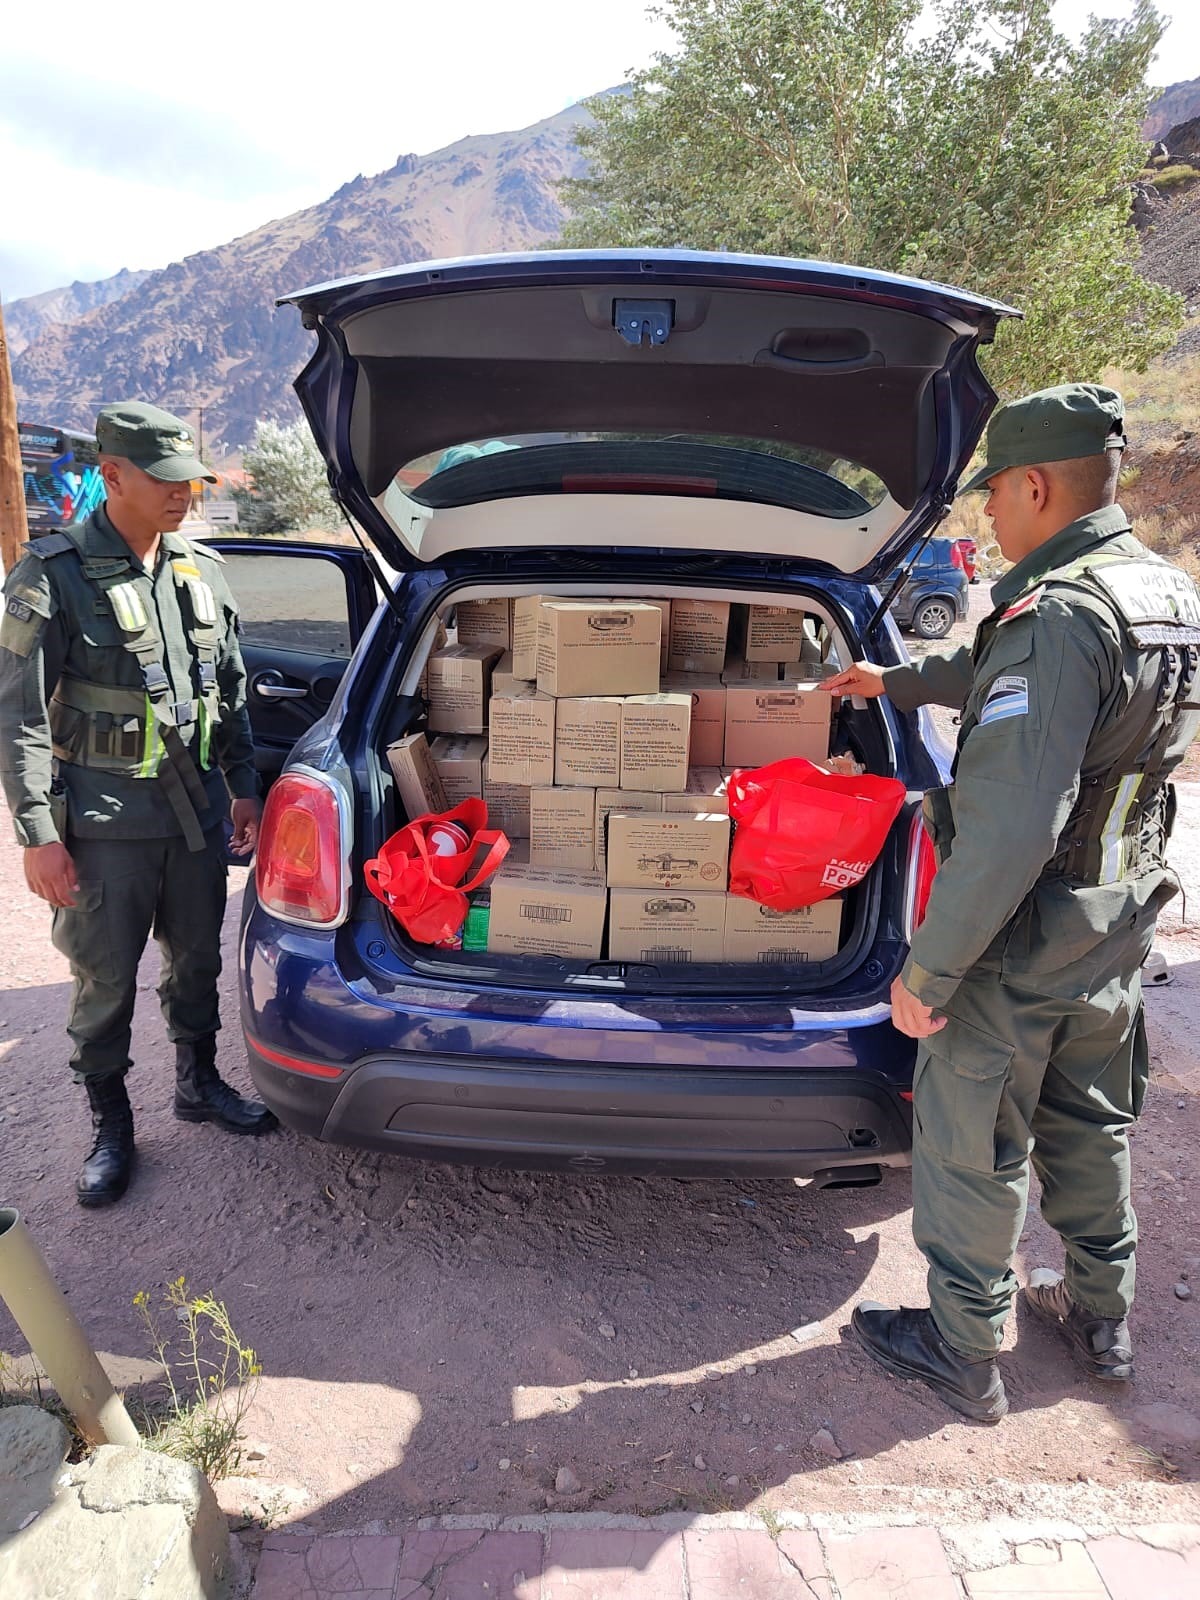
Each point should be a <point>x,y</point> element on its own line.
<point>443,1340</point>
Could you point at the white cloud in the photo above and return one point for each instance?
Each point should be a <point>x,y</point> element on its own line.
<point>135,145</point>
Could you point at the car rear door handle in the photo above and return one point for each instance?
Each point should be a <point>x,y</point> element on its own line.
<point>270,686</point>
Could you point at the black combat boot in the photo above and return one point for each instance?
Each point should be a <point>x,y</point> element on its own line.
<point>201,1096</point>
<point>1101,1345</point>
<point>107,1170</point>
<point>908,1343</point>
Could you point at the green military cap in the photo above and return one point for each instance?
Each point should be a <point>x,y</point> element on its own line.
<point>152,439</point>
<point>1060,424</point>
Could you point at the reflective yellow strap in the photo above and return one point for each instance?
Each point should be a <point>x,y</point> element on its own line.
<point>203,600</point>
<point>1112,839</point>
<point>202,718</point>
<point>152,745</point>
<point>128,608</point>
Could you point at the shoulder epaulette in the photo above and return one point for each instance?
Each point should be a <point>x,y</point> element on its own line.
<point>203,550</point>
<point>50,544</point>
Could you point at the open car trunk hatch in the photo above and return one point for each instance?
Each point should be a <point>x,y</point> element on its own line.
<point>528,402</point>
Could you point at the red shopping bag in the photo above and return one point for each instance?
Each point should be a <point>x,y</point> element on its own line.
<point>804,834</point>
<point>426,891</point>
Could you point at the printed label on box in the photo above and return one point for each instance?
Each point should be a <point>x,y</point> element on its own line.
<point>655,735</point>
<point>699,631</point>
<point>562,828</point>
<point>587,742</point>
<point>675,851</point>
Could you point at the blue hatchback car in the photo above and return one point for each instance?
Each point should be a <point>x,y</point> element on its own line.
<point>661,424</point>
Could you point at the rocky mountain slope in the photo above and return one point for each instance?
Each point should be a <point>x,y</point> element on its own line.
<point>204,330</point>
<point>1177,104</point>
<point>25,320</point>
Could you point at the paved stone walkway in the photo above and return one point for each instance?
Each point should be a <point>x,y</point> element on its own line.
<point>730,1558</point>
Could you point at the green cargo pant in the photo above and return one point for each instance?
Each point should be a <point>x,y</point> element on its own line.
<point>1019,1073</point>
<point>129,888</point>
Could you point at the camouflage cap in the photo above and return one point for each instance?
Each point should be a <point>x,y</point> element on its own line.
<point>1060,424</point>
<point>152,439</point>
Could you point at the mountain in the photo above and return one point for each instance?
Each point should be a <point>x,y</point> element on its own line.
<point>204,331</point>
<point>1179,103</point>
<point>25,320</point>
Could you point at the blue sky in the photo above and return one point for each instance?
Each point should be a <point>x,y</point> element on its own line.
<point>135,145</point>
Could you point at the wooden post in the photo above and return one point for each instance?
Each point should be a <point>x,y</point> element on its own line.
<point>14,526</point>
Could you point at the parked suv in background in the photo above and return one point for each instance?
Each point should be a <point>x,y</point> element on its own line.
<point>935,596</point>
<point>650,423</point>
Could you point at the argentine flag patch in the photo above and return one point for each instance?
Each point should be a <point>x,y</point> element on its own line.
<point>1007,697</point>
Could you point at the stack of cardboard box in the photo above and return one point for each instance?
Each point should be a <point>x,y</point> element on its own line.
<point>601,735</point>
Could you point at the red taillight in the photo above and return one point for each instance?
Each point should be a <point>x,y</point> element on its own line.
<point>956,557</point>
<point>918,880</point>
<point>301,867</point>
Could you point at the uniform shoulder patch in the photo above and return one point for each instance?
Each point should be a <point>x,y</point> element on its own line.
<point>1024,605</point>
<point>213,555</point>
<point>1007,697</point>
<point>50,544</point>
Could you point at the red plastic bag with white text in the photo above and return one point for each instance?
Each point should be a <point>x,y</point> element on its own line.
<point>426,891</point>
<point>804,834</point>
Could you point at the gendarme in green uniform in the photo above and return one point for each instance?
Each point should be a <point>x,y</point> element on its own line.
<point>1077,699</point>
<point>123,736</point>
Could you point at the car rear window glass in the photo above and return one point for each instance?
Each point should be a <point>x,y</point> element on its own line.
<point>727,468</point>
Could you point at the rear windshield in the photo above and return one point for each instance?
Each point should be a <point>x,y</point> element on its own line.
<point>726,468</point>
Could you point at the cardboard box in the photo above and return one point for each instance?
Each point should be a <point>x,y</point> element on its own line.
<point>699,631</point>
<point>781,938</point>
<point>664,643</point>
<point>774,633</point>
<point>508,807</point>
<point>706,790</point>
<point>706,746</point>
<point>668,851</point>
<point>587,742</point>
<point>460,684</point>
<point>609,800</point>
<point>521,738</point>
<point>504,679</point>
<point>665,929</point>
<point>541,912</point>
<point>562,829</point>
<point>486,622</point>
<point>417,780</point>
<point>459,759</point>
<point>584,646</point>
<point>524,635</point>
<point>739,670</point>
<point>765,722</point>
<point>655,735</point>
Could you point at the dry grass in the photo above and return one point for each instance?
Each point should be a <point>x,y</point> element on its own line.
<point>1166,395</point>
<point>1171,537</point>
<point>1170,177</point>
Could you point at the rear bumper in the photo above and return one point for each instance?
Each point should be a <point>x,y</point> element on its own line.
<point>597,1119</point>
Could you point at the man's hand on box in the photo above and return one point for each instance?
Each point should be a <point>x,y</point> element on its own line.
<point>910,1016</point>
<point>862,678</point>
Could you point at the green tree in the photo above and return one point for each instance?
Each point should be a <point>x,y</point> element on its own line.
<point>289,489</point>
<point>974,145</point>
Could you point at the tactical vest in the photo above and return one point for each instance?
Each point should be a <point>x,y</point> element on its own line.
<point>1123,814</point>
<point>142,733</point>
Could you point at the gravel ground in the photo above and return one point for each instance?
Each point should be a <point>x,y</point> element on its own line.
<point>443,1340</point>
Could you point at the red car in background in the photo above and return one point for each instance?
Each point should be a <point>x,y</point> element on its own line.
<point>968,552</point>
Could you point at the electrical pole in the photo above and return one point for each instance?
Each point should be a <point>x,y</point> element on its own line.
<point>14,525</point>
